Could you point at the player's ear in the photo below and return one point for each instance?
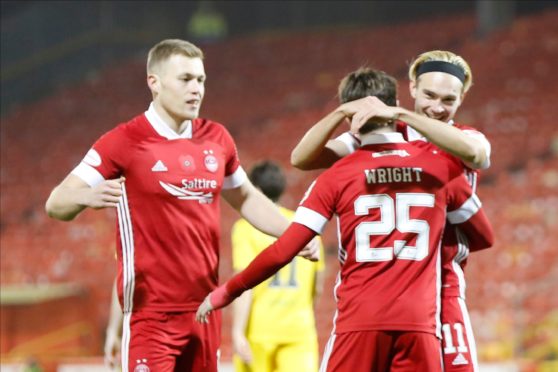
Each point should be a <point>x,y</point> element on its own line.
<point>153,83</point>
<point>413,88</point>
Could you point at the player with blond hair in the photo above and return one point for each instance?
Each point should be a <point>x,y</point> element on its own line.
<point>390,199</point>
<point>439,81</point>
<point>164,171</point>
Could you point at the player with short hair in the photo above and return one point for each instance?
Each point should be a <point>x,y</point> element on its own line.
<point>164,171</point>
<point>273,325</point>
<point>439,81</point>
<point>391,200</point>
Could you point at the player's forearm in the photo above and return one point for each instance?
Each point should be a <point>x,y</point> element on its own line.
<point>308,152</point>
<point>115,315</point>
<point>65,203</point>
<point>263,214</point>
<point>470,150</point>
<point>271,259</point>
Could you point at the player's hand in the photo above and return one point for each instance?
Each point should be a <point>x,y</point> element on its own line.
<point>311,251</point>
<point>112,350</point>
<point>372,109</point>
<point>241,347</point>
<point>204,309</point>
<point>215,300</point>
<point>105,195</point>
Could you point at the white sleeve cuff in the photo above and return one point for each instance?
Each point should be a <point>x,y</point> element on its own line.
<point>350,141</point>
<point>88,174</point>
<point>235,180</point>
<point>466,211</point>
<point>311,219</point>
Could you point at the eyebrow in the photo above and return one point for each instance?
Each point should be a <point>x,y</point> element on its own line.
<point>191,76</point>
<point>428,91</point>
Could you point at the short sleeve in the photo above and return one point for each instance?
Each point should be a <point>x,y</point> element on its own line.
<point>317,205</point>
<point>350,141</point>
<point>105,158</point>
<point>463,203</point>
<point>234,173</point>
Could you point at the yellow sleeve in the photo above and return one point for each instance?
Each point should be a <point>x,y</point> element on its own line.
<point>242,251</point>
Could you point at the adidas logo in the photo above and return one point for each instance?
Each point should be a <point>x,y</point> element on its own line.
<point>459,360</point>
<point>159,167</point>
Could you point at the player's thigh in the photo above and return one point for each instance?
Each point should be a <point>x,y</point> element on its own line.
<point>201,350</point>
<point>263,356</point>
<point>362,351</point>
<point>298,356</point>
<point>144,343</point>
<point>458,341</point>
<point>416,351</point>
<point>240,365</point>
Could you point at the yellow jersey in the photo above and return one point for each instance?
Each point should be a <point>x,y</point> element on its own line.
<point>282,306</point>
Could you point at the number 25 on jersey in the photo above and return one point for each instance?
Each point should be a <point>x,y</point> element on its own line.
<point>394,214</point>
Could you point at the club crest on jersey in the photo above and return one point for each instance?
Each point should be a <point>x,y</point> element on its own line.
<point>210,161</point>
<point>141,366</point>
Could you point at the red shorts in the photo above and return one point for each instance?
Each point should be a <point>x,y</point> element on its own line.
<point>366,351</point>
<point>161,342</point>
<point>459,349</point>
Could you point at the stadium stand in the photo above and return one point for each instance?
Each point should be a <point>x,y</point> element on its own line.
<point>268,89</point>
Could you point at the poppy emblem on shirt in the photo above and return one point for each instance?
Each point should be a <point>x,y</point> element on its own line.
<point>210,161</point>
<point>187,163</point>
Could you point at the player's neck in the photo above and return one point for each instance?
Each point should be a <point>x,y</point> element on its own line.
<point>382,130</point>
<point>176,124</point>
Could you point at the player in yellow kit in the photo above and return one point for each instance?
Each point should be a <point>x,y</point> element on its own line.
<point>273,324</point>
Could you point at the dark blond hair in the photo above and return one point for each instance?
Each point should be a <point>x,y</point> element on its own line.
<point>169,47</point>
<point>444,56</point>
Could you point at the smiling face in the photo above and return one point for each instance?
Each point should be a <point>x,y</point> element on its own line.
<point>178,86</point>
<point>437,95</point>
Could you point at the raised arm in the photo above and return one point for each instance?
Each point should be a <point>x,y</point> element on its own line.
<point>472,148</point>
<point>316,150</point>
<point>73,195</point>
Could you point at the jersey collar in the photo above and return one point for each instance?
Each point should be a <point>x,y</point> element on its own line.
<point>162,128</point>
<point>373,139</point>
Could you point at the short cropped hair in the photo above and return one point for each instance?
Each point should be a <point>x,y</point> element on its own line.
<point>365,82</point>
<point>169,47</point>
<point>269,178</point>
<point>444,56</point>
<point>368,82</point>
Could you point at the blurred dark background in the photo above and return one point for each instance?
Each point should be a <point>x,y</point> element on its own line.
<point>72,70</point>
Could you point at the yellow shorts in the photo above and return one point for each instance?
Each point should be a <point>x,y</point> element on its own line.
<point>286,357</point>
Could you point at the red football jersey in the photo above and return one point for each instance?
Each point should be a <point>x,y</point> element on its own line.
<point>169,216</point>
<point>455,244</point>
<point>390,198</point>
